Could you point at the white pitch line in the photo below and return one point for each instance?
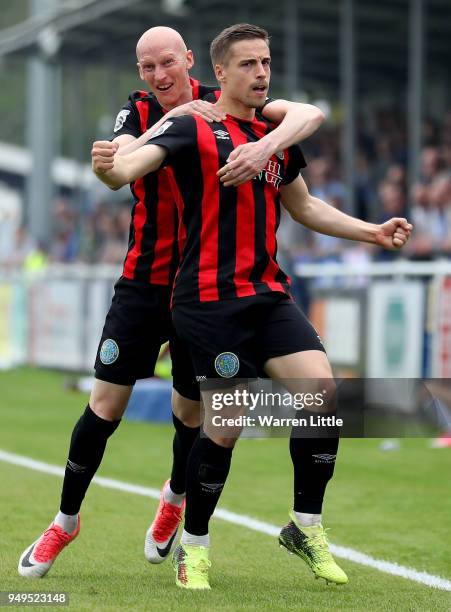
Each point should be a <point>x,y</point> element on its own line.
<point>350,554</point>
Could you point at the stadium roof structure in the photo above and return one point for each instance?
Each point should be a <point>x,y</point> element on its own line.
<point>306,35</point>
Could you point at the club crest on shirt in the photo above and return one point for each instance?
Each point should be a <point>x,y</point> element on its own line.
<point>162,129</point>
<point>227,365</point>
<point>271,174</point>
<point>120,119</point>
<point>109,352</point>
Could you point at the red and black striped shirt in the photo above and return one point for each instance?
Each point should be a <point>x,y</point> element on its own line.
<point>152,254</point>
<point>229,234</point>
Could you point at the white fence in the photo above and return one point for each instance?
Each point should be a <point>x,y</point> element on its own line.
<point>381,320</point>
<point>54,318</point>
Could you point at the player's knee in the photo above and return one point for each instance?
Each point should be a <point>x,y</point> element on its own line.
<point>186,410</point>
<point>322,385</point>
<point>329,392</point>
<point>107,410</point>
<point>109,401</point>
<point>225,442</point>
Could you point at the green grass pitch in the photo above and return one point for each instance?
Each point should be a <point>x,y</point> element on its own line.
<point>394,506</point>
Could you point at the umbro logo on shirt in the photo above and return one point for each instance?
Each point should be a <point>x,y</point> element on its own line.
<point>221,135</point>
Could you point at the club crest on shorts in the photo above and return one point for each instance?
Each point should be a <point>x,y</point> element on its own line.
<point>109,352</point>
<point>227,365</point>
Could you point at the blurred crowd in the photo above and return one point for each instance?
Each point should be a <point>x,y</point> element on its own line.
<point>381,189</point>
<point>98,231</point>
<point>99,234</point>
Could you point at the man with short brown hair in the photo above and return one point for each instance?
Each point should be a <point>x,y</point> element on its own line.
<point>231,302</point>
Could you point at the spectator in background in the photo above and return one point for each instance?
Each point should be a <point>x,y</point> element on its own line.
<point>430,164</point>
<point>325,186</point>
<point>114,231</point>
<point>64,247</point>
<point>88,244</point>
<point>384,157</point>
<point>24,245</point>
<point>364,190</point>
<point>27,254</point>
<point>295,246</point>
<point>391,202</point>
<point>424,218</point>
<point>104,234</point>
<point>396,175</point>
<point>440,195</point>
<point>392,199</point>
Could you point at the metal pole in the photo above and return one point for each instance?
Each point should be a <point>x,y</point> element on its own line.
<point>415,88</point>
<point>77,136</point>
<point>348,93</point>
<point>291,49</point>
<point>201,60</point>
<point>42,131</point>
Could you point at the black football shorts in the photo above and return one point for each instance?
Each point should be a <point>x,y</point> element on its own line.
<point>234,338</point>
<point>137,324</point>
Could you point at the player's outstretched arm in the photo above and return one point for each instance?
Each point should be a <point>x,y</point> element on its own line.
<point>208,111</point>
<point>296,122</point>
<point>115,170</point>
<point>325,219</point>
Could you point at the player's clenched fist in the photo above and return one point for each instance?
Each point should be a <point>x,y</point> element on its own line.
<point>102,155</point>
<point>394,233</point>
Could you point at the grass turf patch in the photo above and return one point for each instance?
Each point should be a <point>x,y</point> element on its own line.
<point>394,506</point>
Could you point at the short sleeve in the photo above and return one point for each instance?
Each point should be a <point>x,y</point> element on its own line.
<point>176,135</point>
<point>295,162</point>
<point>127,121</point>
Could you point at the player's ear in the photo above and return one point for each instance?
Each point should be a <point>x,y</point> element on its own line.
<point>140,71</point>
<point>219,73</point>
<point>189,59</point>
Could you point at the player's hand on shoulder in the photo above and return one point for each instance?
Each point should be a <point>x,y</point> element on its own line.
<point>208,111</point>
<point>244,163</point>
<point>394,233</point>
<point>102,155</point>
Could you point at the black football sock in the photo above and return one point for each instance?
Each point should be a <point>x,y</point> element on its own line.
<point>313,463</point>
<point>184,439</point>
<point>87,446</point>
<point>208,468</point>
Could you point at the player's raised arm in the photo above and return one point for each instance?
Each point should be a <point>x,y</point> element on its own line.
<point>208,111</point>
<point>325,219</point>
<point>296,122</point>
<point>117,170</point>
